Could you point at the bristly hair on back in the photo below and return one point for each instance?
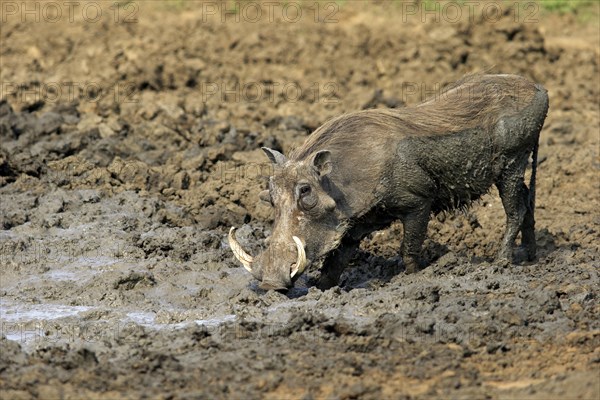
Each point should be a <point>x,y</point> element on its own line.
<point>475,101</point>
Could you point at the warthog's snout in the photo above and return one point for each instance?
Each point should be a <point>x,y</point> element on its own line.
<point>274,285</point>
<point>263,266</point>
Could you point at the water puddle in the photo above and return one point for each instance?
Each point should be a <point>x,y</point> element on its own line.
<point>148,319</point>
<point>25,322</point>
<point>81,268</point>
<point>31,324</point>
<point>11,312</point>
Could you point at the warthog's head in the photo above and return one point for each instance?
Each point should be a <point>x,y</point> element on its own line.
<point>306,224</point>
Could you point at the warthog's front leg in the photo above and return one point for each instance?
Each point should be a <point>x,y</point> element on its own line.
<point>335,263</point>
<point>415,230</point>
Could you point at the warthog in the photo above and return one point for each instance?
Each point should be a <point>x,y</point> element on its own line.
<point>361,171</point>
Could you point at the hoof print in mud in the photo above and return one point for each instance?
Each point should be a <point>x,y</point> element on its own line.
<point>135,279</point>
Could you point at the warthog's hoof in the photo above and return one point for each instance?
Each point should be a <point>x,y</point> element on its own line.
<point>325,282</point>
<point>412,265</point>
<point>523,254</point>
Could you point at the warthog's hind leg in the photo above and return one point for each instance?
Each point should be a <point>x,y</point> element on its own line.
<point>528,226</point>
<point>514,196</point>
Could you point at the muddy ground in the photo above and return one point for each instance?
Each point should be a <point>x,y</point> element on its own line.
<point>130,144</point>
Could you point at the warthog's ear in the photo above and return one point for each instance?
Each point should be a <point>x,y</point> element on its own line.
<point>322,162</point>
<point>276,157</point>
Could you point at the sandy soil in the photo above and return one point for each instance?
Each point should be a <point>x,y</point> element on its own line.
<point>129,146</point>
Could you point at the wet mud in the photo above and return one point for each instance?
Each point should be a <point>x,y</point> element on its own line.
<point>116,198</point>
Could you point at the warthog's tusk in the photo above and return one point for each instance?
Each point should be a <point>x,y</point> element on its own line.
<point>239,253</point>
<point>301,260</point>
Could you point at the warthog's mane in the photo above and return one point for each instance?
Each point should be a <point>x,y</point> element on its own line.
<point>475,101</point>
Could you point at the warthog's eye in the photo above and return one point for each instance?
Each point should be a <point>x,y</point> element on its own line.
<point>306,198</point>
<point>304,190</point>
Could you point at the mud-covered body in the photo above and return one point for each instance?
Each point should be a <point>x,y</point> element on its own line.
<point>458,168</point>
<point>376,166</point>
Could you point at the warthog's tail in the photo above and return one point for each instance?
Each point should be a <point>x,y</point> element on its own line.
<point>534,157</point>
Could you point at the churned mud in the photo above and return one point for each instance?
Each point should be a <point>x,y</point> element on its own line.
<point>129,146</point>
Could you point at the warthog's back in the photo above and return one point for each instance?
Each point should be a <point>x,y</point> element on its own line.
<point>475,102</point>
